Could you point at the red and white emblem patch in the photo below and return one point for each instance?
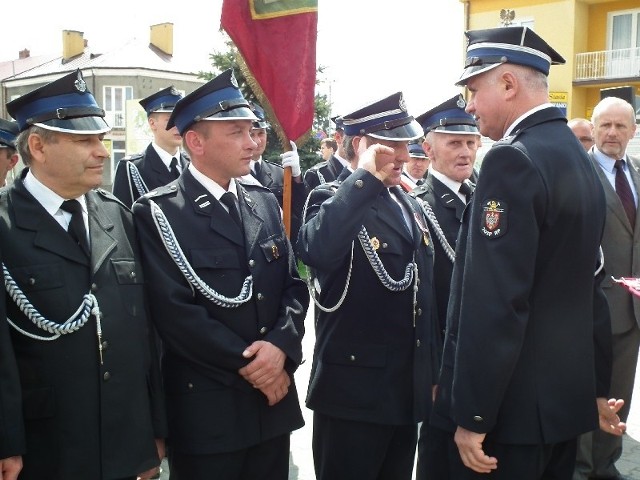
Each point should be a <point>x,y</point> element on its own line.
<point>493,221</point>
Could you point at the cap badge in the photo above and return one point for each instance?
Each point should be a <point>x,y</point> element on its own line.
<point>174,91</point>
<point>375,243</point>
<point>402,104</point>
<point>493,221</point>
<point>80,84</point>
<point>461,103</point>
<point>233,80</point>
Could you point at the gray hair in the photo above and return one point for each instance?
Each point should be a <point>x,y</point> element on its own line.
<point>22,142</point>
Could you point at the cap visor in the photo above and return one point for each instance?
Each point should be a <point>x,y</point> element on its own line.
<point>240,113</point>
<point>410,131</point>
<point>473,71</point>
<point>457,129</point>
<point>80,125</point>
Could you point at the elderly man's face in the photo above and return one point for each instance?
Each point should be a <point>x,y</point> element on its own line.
<point>451,154</point>
<point>613,130</point>
<point>584,133</point>
<point>417,167</point>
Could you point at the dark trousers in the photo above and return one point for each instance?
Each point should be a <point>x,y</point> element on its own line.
<point>348,450</point>
<point>440,460</point>
<point>268,460</point>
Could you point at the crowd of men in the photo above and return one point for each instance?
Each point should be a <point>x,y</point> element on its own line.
<point>466,317</point>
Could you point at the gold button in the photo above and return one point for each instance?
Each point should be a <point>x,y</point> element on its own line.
<point>385,245</point>
<point>106,376</point>
<point>359,183</point>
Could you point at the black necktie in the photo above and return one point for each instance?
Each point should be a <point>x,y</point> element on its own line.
<point>173,166</point>
<point>624,192</point>
<point>257,170</point>
<point>230,202</point>
<point>76,226</point>
<point>466,190</point>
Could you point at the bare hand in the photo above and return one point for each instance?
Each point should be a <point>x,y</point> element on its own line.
<point>608,416</point>
<point>278,389</point>
<point>470,448</point>
<point>10,468</point>
<point>379,160</point>
<point>155,470</point>
<point>266,366</point>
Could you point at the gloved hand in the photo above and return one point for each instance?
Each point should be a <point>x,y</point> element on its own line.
<point>292,159</point>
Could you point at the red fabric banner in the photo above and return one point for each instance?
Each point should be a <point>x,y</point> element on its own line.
<point>277,41</point>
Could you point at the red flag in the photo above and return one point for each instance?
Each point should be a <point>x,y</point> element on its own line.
<point>277,42</point>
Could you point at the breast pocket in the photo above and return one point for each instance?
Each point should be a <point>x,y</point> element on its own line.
<point>129,277</point>
<point>33,278</point>
<point>274,248</point>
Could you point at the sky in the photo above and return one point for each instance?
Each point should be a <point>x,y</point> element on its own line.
<point>370,48</point>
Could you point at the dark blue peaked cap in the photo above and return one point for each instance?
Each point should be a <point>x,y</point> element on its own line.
<point>338,121</point>
<point>487,49</point>
<point>218,99</point>
<point>8,133</point>
<point>449,117</point>
<point>162,102</point>
<point>416,150</point>
<point>386,119</point>
<point>258,111</point>
<point>64,105</point>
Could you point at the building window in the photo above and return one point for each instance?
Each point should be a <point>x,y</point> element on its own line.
<point>115,99</point>
<point>623,43</point>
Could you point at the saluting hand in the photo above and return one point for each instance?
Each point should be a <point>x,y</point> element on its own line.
<point>379,160</point>
<point>470,448</point>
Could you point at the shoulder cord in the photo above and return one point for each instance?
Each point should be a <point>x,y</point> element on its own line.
<point>195,282</point>
<point>136,178</point>
<point>89,306</point>
<point>374,261</point>
<point>321,177</point>
<point>600,260</point>
<point>433,220</point>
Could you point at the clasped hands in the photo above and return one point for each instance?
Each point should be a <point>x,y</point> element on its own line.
<point>266,371</point>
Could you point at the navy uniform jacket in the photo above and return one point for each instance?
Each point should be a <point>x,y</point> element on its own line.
<point>272,176</point>
<point>527,321</point>
<point>373,361</point>
<point>152,170</point>
<point>211,408</point>
<point>330,170</point>
<point>81,419</point>
<point>448,209</point>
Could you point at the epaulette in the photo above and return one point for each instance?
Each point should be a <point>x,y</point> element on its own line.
<point>160,191</point>
<point>318,166</point>
<point>419,190</point>
<point>508,140</point>
<point>135,156</point>
<point>274,164</point>
<point>331,186</point>
<point>107,195</point>
<point>254,186</point>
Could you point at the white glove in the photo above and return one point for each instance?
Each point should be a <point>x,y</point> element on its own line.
<point>292,159</point>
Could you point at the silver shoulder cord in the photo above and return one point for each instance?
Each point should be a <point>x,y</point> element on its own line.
<point>601,260</point>
<point>433,220</point>
<point>88,307</point>
<point>321,177</point>
<point>135,177</point>
<point>374,261</point>
<point>195,282</point>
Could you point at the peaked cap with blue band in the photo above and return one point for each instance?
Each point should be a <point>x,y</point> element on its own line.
<point>64,105</point>
<point>8,132</point>
<point>386,119</point>
<point>416,150</point>
<point>218,99</point>
<point>338,121</point>
<point>449,117</point>
<point>162,101</point>
<point>258,111</point>
<point>487,49</point>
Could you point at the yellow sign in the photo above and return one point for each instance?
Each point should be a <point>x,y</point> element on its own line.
<point>558,97</point>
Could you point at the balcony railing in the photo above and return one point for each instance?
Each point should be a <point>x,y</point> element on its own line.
<point>115,119</point>
<point>608,64</point>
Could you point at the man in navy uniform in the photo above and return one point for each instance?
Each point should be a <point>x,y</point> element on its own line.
<point>416,168</point>
<point>226,298</point>
<point>8,154</point>
<point>271,175</point>
<point>328,170</point>
<point>526,351</point>
<point>451,142</point>
<point>91,397</point>
<point>162,161</point>
<point>376,353</point>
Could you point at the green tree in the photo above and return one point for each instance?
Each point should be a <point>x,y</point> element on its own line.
<point>228,58</point>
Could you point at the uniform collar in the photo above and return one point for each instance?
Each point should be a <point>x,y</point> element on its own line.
<point>212,187</point>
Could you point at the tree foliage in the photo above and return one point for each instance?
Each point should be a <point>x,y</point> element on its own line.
<point>223,60</point>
